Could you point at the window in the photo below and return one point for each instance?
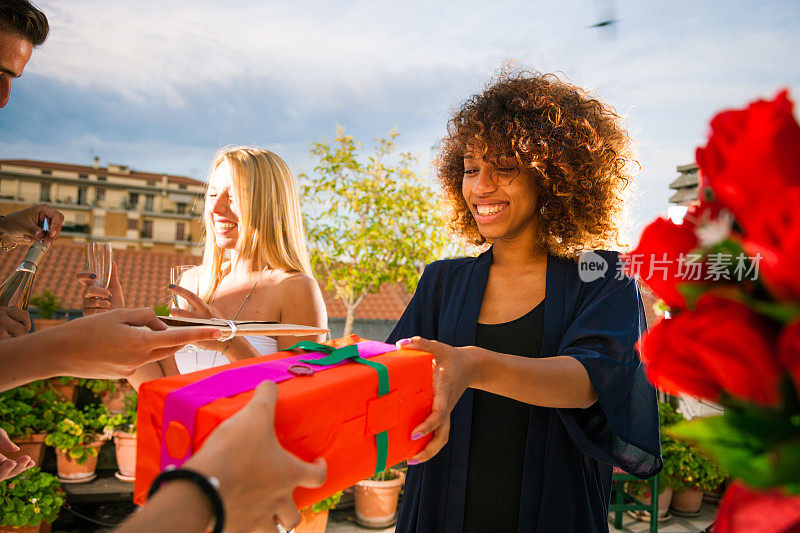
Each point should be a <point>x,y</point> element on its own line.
<point>83,176</point>
<point>147,229</point>
<point>180,233</point>
<point>47,172</point>
<point>133,223</point>
<point>81,195</point>
<point>133,200</point>
<point>182,186</point>
<point>148,202</point>
<point>101,178</point>
<point>44,193</point>
<point>181,209</point>
<point>99,194</point>
<point>151,183</point>
<point>100,222</point>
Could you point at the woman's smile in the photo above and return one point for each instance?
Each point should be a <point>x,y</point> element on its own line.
<point>221,227</point>
<point>489,211</point>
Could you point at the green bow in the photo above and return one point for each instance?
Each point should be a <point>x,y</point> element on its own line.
<point>337,355</point>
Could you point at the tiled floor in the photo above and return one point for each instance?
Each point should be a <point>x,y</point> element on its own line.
<point>343,523</point>
<point>673,524</point>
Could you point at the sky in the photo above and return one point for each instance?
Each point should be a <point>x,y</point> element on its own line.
<point>161,85</point>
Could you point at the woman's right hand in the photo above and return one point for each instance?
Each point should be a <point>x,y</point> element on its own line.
<point>97,299</point>
<point>256,475</point>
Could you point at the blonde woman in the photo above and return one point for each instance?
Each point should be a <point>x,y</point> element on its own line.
<point>255,265</point>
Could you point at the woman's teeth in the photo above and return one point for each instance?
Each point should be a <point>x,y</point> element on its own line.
<point>226,226</point>
<point>489,209</point>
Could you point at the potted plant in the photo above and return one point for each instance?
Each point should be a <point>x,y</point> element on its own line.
<point>124,425</point>
<point>376,498</point>
<point>65,387</point>
<point>314,519</point>
<point>46,304</point>
<point>27,416</point>
<point>697,474</point>
<point>671,452</point>
<point>111,392</point>
<point>29,502</point>
<point>77,438</point>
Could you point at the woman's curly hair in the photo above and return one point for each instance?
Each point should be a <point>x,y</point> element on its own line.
<point>574,143</point>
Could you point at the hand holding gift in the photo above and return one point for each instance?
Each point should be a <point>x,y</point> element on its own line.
<point>256,476</point>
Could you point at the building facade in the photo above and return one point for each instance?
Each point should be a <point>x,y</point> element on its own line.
<point>685,185</point>
<point>131,209</point>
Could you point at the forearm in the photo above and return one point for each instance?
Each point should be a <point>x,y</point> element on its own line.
<point>177,506</point>
<point>146,372</point>
<point>559,381</point>
<point>240,348</point>
<point>34,356</point>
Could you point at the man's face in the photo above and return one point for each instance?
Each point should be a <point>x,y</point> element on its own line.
<point>14,55</point>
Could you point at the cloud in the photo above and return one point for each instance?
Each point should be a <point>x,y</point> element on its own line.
<point>162,85</point>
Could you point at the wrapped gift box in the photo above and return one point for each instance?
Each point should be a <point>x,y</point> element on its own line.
<point>353,402</point>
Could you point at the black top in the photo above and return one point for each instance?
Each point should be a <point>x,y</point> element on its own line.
<point>499,432</point>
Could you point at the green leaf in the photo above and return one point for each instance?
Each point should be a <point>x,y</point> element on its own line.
<point>760,450</point>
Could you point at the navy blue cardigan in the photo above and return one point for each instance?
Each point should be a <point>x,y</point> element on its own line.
<point>570,452</point>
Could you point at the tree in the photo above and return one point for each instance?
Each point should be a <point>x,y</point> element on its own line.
<point>369,221</point>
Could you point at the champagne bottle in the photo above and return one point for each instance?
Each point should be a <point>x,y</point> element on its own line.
<point>15,291</point>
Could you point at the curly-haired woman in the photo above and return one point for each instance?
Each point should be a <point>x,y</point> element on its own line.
<point>538,387</point>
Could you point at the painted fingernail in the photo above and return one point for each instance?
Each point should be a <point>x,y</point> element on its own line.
<point>171,285</point>
<point>403,342</point>
<point>416,436</point>
<point>92,276</point>
<point>413,462</point>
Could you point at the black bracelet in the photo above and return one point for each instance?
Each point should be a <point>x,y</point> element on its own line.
<point>207,485</point>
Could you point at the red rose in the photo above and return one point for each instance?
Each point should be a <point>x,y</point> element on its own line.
<point>743,509</point>
<point>720,346</point>
<point>776,239</point>
<point>752,154</point>
<point>657,258</point>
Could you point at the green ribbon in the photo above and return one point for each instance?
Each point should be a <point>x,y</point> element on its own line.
<point>337,355</point>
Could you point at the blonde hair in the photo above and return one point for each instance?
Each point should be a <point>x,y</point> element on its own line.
<point>271,233</point>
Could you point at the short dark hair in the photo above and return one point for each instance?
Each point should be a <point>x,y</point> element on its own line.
<point>22,18</point>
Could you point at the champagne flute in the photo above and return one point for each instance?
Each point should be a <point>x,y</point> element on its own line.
<point>185,355</point>
<point>98,262</point>
<point>175,275</point>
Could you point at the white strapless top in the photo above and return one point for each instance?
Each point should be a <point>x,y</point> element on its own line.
<point>192,359</point>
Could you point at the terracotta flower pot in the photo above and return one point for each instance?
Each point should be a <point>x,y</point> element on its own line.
<point>43,527</point>
<point>311,522</point>
<point>115,401</point>
<point>71,472</point>
<point>687,502</point>
<point>376,501</point>
<point>68,391</point>
<point>664,500</point>
<point>33,447</point>
<point>125,444</point>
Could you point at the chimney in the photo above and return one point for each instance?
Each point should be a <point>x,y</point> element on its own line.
<point>96,163</point>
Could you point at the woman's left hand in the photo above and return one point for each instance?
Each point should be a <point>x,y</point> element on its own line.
<point>197,309</point>
<point>454,371</point>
